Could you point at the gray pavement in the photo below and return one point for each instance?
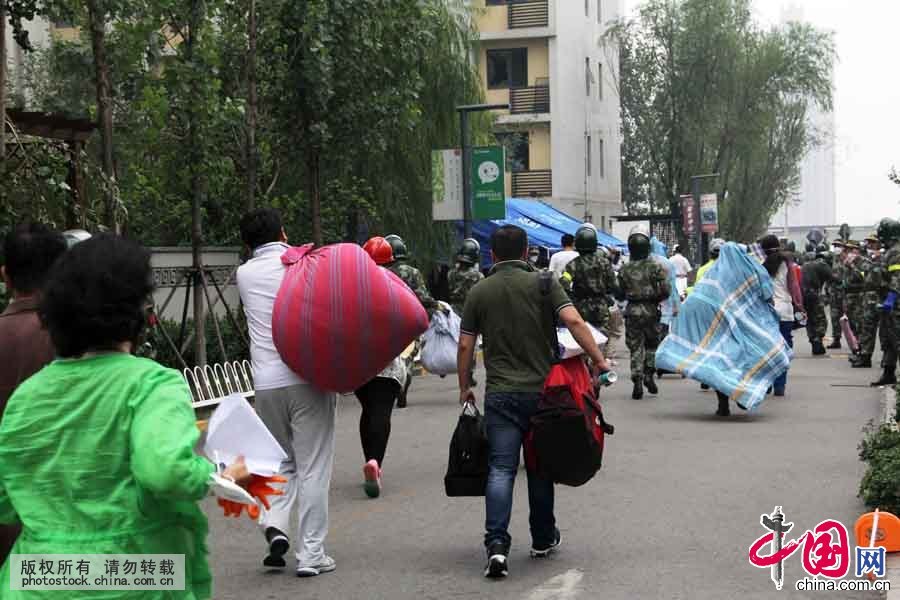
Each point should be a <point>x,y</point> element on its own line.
<point>671,515</point>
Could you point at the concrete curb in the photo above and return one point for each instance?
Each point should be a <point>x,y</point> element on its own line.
<point>888,410</point>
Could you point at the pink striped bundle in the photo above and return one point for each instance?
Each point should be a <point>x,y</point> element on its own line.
<point>340,319</point>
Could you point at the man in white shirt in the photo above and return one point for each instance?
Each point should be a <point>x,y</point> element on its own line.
<point>300,416</point>
<point>682,268</point>
<point>562,258</point>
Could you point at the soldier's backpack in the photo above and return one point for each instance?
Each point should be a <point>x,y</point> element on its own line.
<point>339,319</point>
<point>566,439</point>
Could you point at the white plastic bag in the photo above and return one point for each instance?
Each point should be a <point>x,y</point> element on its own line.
<point>439,343</point>
<point>568,347</point>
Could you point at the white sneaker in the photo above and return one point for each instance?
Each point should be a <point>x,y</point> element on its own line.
<point>326,565</point>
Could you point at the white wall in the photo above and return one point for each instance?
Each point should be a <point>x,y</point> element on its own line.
<point>38,35</point>
<point>574,112</point>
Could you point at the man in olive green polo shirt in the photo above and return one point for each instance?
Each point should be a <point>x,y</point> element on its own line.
<point>508,310</point>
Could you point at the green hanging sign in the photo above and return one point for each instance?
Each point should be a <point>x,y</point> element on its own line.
<point>488,183</point>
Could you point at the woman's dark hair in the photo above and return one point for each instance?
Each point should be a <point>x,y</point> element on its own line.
<point>774,256</point>
<point>261,226</point>
<point>29,252</point>
<point>96,295</point>
<point>509,243</point>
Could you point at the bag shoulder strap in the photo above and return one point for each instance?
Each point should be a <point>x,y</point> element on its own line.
<point>545,283</point>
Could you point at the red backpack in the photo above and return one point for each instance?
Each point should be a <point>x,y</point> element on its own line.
<point>565,442</point>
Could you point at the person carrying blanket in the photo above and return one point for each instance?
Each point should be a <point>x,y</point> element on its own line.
<point>727,332</point>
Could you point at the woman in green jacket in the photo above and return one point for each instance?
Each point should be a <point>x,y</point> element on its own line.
<point>97,449</point>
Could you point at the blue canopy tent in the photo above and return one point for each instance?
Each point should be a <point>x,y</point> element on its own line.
<point>545,226</point>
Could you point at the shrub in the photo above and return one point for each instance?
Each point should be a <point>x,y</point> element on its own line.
<point>880,486</point>
<point>235,349</point>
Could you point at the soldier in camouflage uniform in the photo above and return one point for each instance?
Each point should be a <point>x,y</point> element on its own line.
<point>889,235</point>
<point>836,295</point>
<point>462,278</point>
<point>644,283</point>
<point>589,280</point>
<point>856,269</point>
<point>870,315</point>
<point>413,278</point>
<point>816,273</point>
<point>465,274</point>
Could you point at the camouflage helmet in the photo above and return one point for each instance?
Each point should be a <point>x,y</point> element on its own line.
<point>469,252</point>
<point>852,245</point>
<point>586,240</point>
<point>888,231</point>
<point>638,245</point>
<point>715,245</point>
<point>398,246</point>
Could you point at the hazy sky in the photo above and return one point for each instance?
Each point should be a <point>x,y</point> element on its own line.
<point>867,99</point>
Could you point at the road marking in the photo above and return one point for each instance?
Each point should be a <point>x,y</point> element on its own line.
<point>561,587</point>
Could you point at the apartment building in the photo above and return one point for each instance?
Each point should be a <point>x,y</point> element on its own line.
<point>545,58</point>
<point>41,33</point>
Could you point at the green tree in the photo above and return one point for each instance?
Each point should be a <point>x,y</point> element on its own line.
<point>705,89</point>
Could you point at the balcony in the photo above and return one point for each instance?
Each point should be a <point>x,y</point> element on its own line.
<point>532,184</point>
<point>529,100</point>
<point>528,13</point>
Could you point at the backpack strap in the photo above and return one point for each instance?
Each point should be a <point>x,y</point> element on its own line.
<point>545,283</point>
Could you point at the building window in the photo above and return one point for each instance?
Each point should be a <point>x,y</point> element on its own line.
<point>600,11</point>
<point>496,2</point>
<point>587,156</point>
<point>602,160</point>
<point>587,8</point>
<point>516,144</point>
<point>600,80</point>
<point>507,68</point>
<point>587,76</point>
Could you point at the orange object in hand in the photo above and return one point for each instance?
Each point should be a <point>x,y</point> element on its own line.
<point>234,509</point>
<point>260,489</point>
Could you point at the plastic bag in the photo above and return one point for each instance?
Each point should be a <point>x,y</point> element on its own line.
<point>439,344</point>
<point>467,468</point>
<point>568,347</point>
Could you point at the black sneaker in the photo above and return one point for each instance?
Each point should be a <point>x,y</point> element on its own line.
<point>545,551</point>
<point>650,384</point>
<point>498,564</point>
<point>638,392</point>
<point>278,547</point>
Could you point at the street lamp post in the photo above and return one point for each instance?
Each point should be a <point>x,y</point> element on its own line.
<point>464,111</point>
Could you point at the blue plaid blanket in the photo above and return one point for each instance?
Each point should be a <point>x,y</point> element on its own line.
<point>726,334</point>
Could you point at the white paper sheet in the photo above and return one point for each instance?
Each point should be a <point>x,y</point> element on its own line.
<point>568,347</point>
<point>235,429</point>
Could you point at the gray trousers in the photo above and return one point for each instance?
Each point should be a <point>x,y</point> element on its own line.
<point>301,418</point>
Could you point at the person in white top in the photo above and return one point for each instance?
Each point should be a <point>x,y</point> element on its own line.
<point>300,416</point>
<point>682,268</point>
<point>562,258</point>
<point>779,268</point>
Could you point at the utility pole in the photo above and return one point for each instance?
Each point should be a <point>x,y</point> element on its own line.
<point>464,111</point>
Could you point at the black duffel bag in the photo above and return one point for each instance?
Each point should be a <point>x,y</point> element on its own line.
<point>467,468</point>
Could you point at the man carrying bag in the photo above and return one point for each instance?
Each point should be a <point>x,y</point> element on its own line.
<point>507,309</point>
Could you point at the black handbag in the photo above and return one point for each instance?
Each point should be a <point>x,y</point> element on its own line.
<point>467,467</point>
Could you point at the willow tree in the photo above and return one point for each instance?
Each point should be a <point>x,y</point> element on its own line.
<point>706,89</point>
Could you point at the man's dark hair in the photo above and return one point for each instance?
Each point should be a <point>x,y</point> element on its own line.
<point>29,252</point>
<point>261,226</point>
<point>509,243</point>
<point>96,295</point>
<point>568,240</point>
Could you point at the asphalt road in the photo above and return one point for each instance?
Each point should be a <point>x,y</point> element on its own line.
<point>671,515</point>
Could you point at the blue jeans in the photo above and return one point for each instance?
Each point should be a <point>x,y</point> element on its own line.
<point>787,332</point>
<point>507,417</point>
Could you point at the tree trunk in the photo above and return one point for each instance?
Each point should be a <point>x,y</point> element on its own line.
<point>97,20</point>
<point>2,100</point>
<point>315,206</point>
<point>251,108</point>
<point>195,154</point>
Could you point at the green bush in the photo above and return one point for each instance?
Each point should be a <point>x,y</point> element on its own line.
<point>880,486</point>
<point>162,352</point>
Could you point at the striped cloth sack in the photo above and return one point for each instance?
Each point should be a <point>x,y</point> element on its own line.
<point>339,319</point>
<point>727,334</point>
